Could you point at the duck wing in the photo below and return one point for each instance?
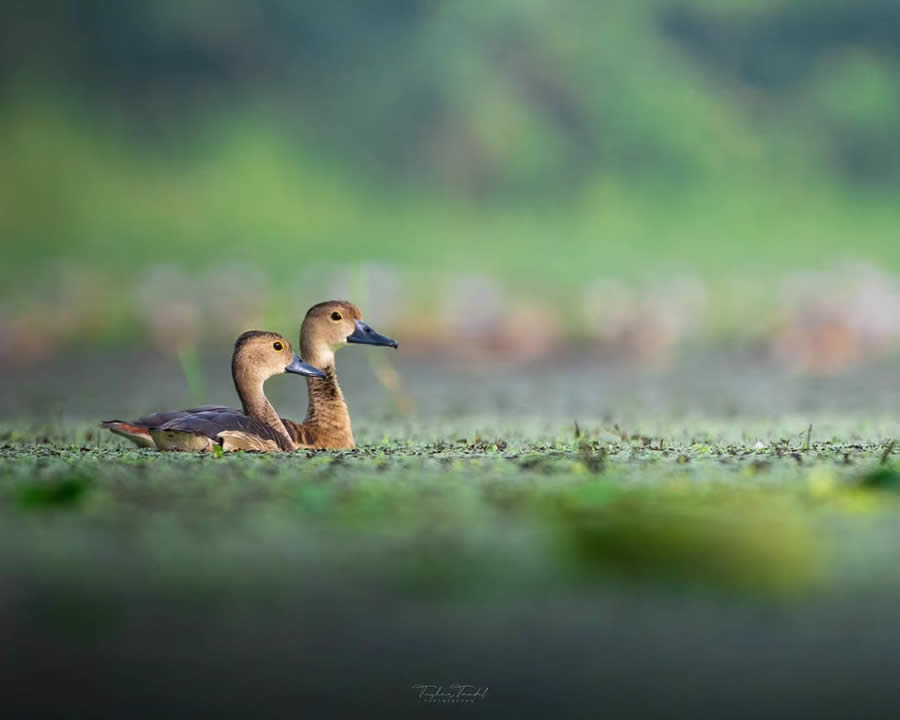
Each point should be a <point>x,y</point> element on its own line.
<point>160,418</point>
<point>138,431</point>
<point>202,431</point>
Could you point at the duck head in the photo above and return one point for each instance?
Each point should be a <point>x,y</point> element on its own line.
<point>330,325</point>
<point>258,355</point>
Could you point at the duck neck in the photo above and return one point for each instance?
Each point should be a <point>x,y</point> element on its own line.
<point>256,405</point>
<point>328,413</point>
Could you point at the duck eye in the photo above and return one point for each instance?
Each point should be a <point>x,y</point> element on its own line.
<point>336,316</point>
<point>278,346</point>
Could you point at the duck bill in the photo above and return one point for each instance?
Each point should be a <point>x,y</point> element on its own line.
<point>365,335</point>
<point>299,367</point>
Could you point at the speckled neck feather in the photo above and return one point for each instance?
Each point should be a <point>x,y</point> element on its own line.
<point>327,419</point>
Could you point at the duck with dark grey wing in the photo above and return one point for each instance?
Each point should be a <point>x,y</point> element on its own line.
<point>258,355</point>
<point>328,327</point>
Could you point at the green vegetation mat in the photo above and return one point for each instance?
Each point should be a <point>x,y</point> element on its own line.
<point>685,506</point>
<point>454,558</point>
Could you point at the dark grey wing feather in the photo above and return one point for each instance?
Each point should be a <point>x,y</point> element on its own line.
<point>211,422</point>
<point>161,418</point>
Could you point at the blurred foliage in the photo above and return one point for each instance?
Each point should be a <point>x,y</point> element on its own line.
<point>884,477</point>
<point>68,488</point>
<point>744,540</point>
<point>544,143</point>
<point>505,99</point>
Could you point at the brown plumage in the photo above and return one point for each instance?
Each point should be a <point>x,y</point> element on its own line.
<point>258,355</point>
<point>327,327</point>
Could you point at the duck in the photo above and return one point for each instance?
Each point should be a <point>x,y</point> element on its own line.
<point>258,355</point>
<point>327,327</point>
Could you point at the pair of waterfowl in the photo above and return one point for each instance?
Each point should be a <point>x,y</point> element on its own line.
<point>258,355</point>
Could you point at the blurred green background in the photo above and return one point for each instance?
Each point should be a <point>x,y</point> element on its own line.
<point>627,175</point>
<point>642,261</point>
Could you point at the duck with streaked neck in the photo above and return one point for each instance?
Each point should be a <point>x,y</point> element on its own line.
<point>327,328</point>
<point>258,355</point>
